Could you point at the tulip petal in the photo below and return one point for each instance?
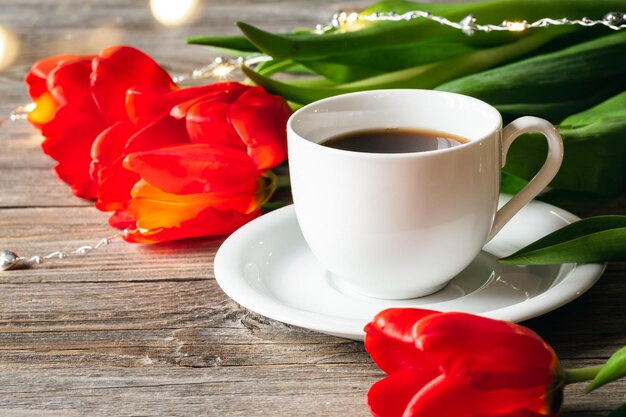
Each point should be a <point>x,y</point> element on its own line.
<point>260,119</point>
<point>446,397</point>
<point>117,69</point>
<point>109,145</point>
<point>224,92</point>
<point>54,81</point>
<point>389,339</point>
<point>114,186</point>
<point>36,78</point>
<point>36,85</point>
<point>166,131</point>
<point>68,139</point>
<point>390,396</point>
<point>45,108</point>
<point>114,181</point>
<point>196,168</point>
<point>70,81</point>
<point>146,103</point>
<point>489,353</point>
<point>121,219</point>
<point>208,122</point>
<point>208,222</point>
<point>211,222</point>
<point>154,209</point>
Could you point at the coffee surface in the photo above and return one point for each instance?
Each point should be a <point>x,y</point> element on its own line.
<point>393,141</point>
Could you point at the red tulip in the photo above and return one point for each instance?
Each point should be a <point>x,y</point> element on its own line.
<point>77,97</point>
<point>461,365</point>
<point>172,163</point>
<point>67,116</point>
<point>191,162</point>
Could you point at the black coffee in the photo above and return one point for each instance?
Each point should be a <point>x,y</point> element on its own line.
<point>393,141</point>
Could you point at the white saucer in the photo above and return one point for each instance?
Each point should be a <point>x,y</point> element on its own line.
<point>267,267</point>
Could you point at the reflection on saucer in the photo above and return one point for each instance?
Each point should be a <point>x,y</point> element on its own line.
<point>478,275</point>
<point>485,285</point>
<point>267,267</point>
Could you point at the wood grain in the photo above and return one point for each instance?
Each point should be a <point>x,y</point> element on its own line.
<point>145,330</point>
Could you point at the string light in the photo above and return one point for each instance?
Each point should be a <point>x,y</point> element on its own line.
<point>222,71</point>
<point>10,260</point>
<point>469,24</point>
<point>221,68</point>
<point>21,112</point>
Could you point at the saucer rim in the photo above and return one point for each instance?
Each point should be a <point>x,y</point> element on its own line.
<point>228,259</point>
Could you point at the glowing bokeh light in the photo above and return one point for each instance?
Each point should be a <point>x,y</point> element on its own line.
<point>9,47</point>
<point>222,71</point>
<point>173,12</point>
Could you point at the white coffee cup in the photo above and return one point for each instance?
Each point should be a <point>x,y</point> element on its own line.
<point>403,225</point>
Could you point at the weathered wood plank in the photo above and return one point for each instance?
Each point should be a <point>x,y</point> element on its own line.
<point>216,391</point>
<point>286,390</point>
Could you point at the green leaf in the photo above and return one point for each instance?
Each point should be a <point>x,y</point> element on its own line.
<point>281,46</point>
<point>378,35</point>
<point>594,166</point>
<point>578,77</point>
<point>290,91</point>
<point>612,370</point>
<point>581,203</point>
<point>397,57</point>
<point>555,111</point>
<point>268,68</point>
<point>313,82</point>
<point>511,184</point>
<point>315,46</point>
<point>595,151</point>
<point>237,43</point>
<point>619,411</point>
<point>611,111</point>
<point>425,76</point>
<point>340,72</point>
<point>596,239</point>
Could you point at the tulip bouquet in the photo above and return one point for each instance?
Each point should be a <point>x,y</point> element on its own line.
<point>169,162</point>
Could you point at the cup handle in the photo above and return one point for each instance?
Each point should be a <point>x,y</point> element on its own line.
<point>541,180</point>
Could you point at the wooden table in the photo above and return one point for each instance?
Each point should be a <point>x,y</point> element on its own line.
<point>145,330</point>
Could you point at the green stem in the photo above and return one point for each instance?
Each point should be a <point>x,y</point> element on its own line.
<point>278,199</point>
<point>282,181</point>
<point>573,376</point>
